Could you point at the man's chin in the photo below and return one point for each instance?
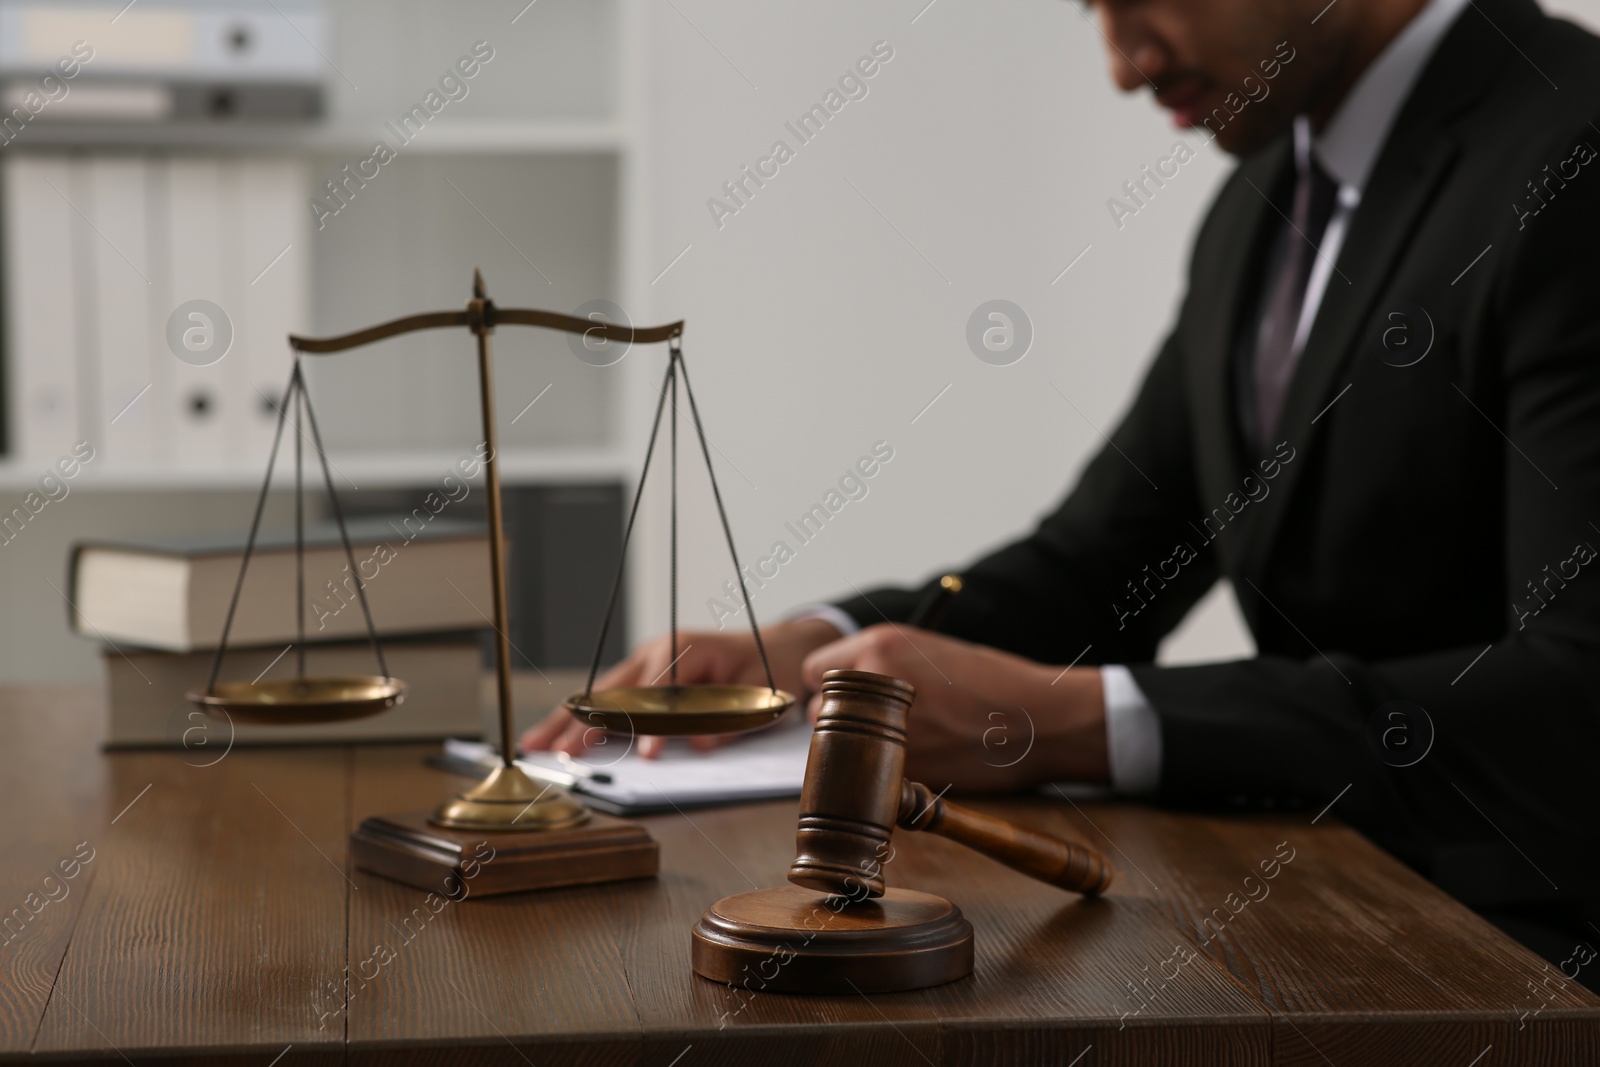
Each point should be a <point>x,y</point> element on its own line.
<point>1239,137</point>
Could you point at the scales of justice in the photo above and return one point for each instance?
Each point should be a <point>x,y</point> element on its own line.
<point>542,837</point>
<point>837,928</point>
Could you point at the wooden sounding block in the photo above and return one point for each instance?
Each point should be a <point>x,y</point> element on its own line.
<point>410,849</point>
<point>839,925</point>
<point>794,940</point>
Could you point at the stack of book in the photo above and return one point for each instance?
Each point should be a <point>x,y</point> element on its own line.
<point>158,607</point>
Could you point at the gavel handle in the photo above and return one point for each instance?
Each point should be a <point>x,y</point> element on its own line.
<point>1038,855</point>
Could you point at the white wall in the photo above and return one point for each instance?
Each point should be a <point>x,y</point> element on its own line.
<point>991,143</point>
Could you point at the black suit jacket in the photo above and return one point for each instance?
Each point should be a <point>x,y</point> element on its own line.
<point>1396,544</point>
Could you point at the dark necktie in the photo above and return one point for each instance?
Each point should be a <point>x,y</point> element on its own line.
<point>1314,196</point>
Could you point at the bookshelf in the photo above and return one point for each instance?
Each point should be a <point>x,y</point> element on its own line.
<point>532,175</point>
<point>538,169</point>
<point>465,134</point>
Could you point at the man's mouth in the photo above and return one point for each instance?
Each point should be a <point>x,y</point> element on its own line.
<point>1184,100</point>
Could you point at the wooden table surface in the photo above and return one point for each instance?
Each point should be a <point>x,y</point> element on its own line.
<point>215,915</point>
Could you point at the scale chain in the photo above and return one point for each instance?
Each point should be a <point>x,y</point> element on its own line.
<point>672,379</point>
<point>299,520</point>
<point>255,525</point>
<point>627,535</point>
<point>295,394</point>
<point>344,535</point>
<point>722,512</point>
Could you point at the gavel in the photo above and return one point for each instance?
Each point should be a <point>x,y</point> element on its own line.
<point>856,793</point>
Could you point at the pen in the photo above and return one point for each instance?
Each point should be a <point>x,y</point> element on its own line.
<point>933,605</point>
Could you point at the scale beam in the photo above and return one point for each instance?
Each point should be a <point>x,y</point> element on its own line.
<point>492,316</point>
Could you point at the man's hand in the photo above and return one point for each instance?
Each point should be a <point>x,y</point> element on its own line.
<point>704,656</point>
<point>984,720</point>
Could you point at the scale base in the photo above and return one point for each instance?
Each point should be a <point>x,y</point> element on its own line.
<point>508,800</point>
<point>793,940</point>
<point>411,849</point>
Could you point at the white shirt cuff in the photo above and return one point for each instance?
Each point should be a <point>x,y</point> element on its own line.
<point>1133,733</point>
<point>837,617</point>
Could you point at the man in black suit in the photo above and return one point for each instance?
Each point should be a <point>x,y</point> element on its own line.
<point>1378,416</point>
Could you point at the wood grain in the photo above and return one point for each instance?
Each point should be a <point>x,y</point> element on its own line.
<point>1350,951</point>
<point>408,848</point>
<point>216,908</point>
<point>787,939</point>
<point>1049,977</point>
<point>1063,970</point>
<point>53,787</point>
<point>217,901</point>
<point>535,974</point>
<point>1070,865</point>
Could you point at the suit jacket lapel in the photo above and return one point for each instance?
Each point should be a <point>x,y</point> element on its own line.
<point>1224,295</point>
<point>1414,160</point>
<point>1372,248</point>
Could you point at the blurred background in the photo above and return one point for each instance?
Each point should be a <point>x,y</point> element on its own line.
<point>586,154</point>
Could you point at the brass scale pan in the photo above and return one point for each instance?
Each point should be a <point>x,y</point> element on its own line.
<point>666,710</point>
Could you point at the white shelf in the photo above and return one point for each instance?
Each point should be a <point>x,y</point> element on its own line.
<point>549,151</point>
<point>363,471</point>
<point>466,136</point>
<point>489,136</point>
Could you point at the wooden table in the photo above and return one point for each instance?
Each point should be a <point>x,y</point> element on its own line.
<point>217,915</point>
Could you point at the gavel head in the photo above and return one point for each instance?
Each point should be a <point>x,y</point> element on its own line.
<point>851,794</point>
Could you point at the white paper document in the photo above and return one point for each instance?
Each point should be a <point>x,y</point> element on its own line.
<point>765,765</point>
